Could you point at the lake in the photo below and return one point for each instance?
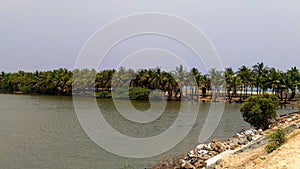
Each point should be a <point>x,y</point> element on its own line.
<point>39,132</point>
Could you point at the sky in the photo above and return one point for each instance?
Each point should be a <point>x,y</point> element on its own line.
<point>46,35</point>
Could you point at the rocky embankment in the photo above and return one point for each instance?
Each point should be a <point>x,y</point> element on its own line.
<point>201,156</point>
<point>197,158</point>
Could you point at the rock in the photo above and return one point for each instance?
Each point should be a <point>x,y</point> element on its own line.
<point>235,141</point>
<point>233,146</point>
<point>256,161</point>
<point>256,137</point>
<point>213,147</point>
<point>219,144</point>
<point>188,165</point>
<point>262,157</point>
<point>212,153</point>
<point>164,165</point>
<point>248,132</point>
<point>202,151</point>
<point>220,147</point>
<point>213,140</point>
<point>239,135</point>
<point>208,147</point>
<point>191,154</point>
<point>200,164</point>
<point>249,138</point>
<point>242,141</point>
<point>205,157</point>
<point>200,146</point>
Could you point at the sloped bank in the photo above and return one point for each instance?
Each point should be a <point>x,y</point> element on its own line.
<point>210,154</point>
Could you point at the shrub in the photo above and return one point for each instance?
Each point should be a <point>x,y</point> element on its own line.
<point>260,110</point>
<point>103,94</point>
<point>25,89</point>
<point>135,93</point>
<point>276,139</point>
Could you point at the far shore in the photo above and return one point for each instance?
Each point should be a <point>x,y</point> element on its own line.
<point>208,98</point>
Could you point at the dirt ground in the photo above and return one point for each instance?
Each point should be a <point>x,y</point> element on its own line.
<point>285,157</point>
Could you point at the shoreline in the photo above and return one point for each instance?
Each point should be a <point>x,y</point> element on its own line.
<point>211,154</point>
<point>291,103</point>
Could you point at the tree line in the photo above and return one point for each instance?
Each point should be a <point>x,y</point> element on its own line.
<point>176,84</point>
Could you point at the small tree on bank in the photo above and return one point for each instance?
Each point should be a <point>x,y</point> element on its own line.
<point>260,110</point>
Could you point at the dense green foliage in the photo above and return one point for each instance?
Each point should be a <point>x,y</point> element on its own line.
<point>48,82</point>
<point>178,83</point>
<point>134,93</point>
<point>260,110</point>
<point>276,139</point>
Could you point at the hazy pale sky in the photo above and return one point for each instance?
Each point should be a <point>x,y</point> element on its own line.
<point>43,35</point>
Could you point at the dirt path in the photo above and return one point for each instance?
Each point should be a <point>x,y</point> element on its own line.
<point>285,157</point>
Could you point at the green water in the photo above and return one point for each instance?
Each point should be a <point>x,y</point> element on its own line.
<point>39,132</point>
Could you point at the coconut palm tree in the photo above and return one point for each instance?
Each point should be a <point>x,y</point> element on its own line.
<point>245,75</point>
<point>258,75</point>
<point>294,80</point>
<point>229,74</point>
<point>274,78</point>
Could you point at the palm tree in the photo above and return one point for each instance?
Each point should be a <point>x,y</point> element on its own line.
<point>156,78</point>
<point>205,84</point>
<point>217,82</point>
<point>245,75</point>
<point>283,86</point>
<point>258,72</point>
<point>294,80</point>
<point>229,74</point>
<point>274,78</point>
<point>181,78</point>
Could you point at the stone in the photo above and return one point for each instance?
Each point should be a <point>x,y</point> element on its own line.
<point>248,132</point>
<point>235,141</point>
<point>205,156</point>
<point>200,146</point>
<point>208,147</point>
<point>191,154</point>
<point>249,138</point>
<point>200,164</point>
<point>188,165</point>
<point>214,147</point>
<point>256,161</point>
<point>262,157</point>
<point>221,150</point>
<point>219,144</point>
<point>164,165</point>
<point>242,141</point>
<point>202,151</point>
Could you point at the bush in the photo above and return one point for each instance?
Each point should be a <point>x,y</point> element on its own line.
<point>260,110</point>
<point>25,89</point>
<point>276,139</point>
<point>103,94</point>
<point>135,93</point>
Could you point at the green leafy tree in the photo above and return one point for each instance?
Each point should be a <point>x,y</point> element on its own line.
<point>260,110</point>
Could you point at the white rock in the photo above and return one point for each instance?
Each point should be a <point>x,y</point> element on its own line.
<point>248,132</point>
<point>202,151</point>
<point>239,135</point>
<point>200,146</point>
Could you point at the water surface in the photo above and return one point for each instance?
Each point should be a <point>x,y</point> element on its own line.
<point>39,132</point>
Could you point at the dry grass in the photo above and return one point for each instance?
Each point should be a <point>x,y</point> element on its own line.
<point>287,156</point>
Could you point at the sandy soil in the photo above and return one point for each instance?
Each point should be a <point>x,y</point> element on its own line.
<point>285,157</point>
